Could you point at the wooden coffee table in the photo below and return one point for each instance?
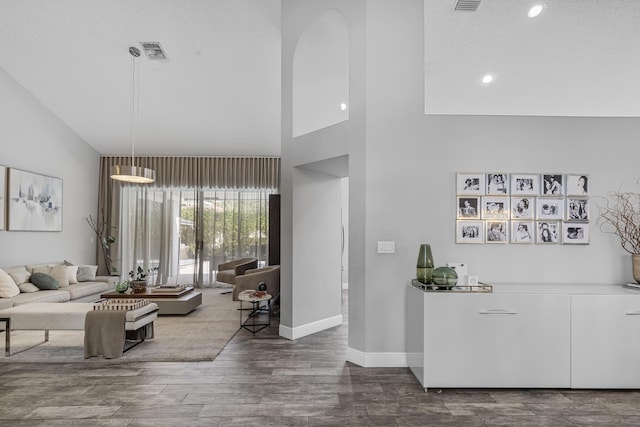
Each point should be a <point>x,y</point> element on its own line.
<point>178,301</point>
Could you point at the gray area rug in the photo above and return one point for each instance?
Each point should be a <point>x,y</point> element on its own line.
<point>197,336</point>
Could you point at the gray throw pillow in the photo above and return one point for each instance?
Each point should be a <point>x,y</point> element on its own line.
<point>87,273</point>
<point>44,281</point>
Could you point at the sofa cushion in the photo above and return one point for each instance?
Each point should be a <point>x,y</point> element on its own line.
<point>6,303</point>
<point>86,273</point>
<point>44,281</point>
<point>8,287</point>
<point>19,274</point>
<point>83,289</point>
<point>41,296</point>
<point>28,287</point>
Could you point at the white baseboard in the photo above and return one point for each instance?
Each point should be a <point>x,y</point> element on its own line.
<point>377,360</point>
<point>309,328</point>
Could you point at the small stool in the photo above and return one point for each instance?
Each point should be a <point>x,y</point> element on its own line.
<point>249,296</point>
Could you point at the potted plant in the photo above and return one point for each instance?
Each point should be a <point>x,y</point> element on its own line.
<point>138,282</point>
<point>620,215</point>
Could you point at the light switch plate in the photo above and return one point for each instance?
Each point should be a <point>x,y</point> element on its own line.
<point>386,246</point>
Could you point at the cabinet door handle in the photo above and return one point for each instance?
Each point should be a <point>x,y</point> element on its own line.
<point>498,311</point>
<point>633,313</point>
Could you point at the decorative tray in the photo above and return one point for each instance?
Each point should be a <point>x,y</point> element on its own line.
<point>430,287</point>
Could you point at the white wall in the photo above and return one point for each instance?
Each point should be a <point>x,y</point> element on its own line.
<point>409,186</point>
<point>35,140</point>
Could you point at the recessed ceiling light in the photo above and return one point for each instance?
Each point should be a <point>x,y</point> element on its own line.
<point>535,10</point>
<point>343,106</point>
<point>487,79</point>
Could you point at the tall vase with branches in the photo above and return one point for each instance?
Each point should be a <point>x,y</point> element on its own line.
<point>620,215</point>
<point>106,237</point>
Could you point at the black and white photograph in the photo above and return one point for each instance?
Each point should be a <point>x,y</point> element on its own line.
<point>574,233</point>
<point>3,177</point>
<point>468,207</point>
<point>547,232</point>
<point>577,185</point>
<point>552,185</point>
<point>550,208</point>
<point>497,231</point>
<point>495,208</point>
<point>525,184</point>
<point>577,209</point>
<point>497,184</point>
<point>469,231</point>
<point>470,183</point>
<point>522,232</point>
<point>523,207</point>
<point>35,202</point>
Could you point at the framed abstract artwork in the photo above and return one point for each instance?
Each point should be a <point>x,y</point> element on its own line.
<point>34,202</point>
<point>3,186</point>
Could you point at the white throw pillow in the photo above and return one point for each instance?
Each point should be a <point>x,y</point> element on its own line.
<point>8,287</point>
<point>28,287</point>
<point>60,273</point>
<point>72,274</point>
<point>19,274</point>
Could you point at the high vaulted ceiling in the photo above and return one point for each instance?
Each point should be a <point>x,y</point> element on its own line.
<point>219,93</point>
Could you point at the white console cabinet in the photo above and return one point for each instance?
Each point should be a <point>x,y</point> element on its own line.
<point>605,341</point>
<point>530,336</point>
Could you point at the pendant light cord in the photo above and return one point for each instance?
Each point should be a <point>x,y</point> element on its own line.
<point>135,99</point>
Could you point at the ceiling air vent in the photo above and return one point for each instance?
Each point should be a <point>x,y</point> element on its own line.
<point>467,5</point>
<point>154,51</point>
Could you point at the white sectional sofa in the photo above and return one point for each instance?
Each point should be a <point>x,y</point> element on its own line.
<point>75,283</point>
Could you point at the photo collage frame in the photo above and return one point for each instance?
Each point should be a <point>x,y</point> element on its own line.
<point>522,208</point>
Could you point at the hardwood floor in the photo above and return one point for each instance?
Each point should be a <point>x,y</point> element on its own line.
<point>269,381</point>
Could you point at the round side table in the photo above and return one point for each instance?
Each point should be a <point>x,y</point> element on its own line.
<point>251,297</point>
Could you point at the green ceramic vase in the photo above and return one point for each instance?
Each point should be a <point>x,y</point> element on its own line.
<point>445,277</point>
<point>424,268</point>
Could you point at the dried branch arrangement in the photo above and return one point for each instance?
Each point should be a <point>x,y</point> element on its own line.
<point>620,215</point>
<point>105,237</point>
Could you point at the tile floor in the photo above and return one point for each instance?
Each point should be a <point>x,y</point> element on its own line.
<point>269,381</point>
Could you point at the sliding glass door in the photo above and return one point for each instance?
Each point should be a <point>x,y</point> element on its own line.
<point>187,233</point>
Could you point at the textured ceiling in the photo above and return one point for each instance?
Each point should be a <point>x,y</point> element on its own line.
<point>220,92</point>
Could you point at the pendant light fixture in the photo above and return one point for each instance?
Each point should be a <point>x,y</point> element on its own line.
<point>132,173</point>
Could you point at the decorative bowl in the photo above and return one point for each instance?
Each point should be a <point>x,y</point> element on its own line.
<point>445,277</point>
<point>121,287</point>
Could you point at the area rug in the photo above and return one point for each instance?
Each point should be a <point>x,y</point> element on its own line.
<point>197,336</point>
